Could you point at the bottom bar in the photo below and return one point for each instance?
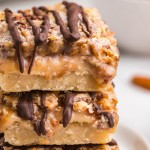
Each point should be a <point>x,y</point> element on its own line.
<point>71,147</point>
<point>58,118</point>
<point>109,146</point>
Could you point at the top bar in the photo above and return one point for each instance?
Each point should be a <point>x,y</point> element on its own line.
<point>65,47</point>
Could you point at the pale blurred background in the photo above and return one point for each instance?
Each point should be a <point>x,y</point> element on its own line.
<point>130,20</point>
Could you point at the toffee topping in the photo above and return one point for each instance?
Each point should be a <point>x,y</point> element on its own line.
<point>41,33</point>
<point>16,37</point>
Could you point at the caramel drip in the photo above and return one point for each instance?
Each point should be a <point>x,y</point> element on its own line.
<point>40,33</point>
<point>67,113</point>
<point>72,13</point>
<point>16,37</point>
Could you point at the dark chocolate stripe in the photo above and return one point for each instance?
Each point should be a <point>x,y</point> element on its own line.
<point>40,33</point>
<point>25,107</point>
<point>43,97</point>
<point>73,10</point>
<point>25,110</point>
<point>36,11</point>
<point>36,125</point>
<point>42,122</point>
<point>39,126</point>
<point>59,22</point>
<point>85,20</point>
<point>63,28</point>
<point>109,117</point>
<point>112,143</point>
<point>72,13</point>
<point>107,114</point>
<point>43,36</point>
<point>96,95</point>
<point>67,113</point>
<point>44,116</point>
<point>16,37</point>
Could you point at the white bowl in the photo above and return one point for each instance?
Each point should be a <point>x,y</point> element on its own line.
<point>130,20</point>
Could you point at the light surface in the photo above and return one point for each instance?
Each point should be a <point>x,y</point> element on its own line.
<point>128,139</point>
<point>134,102</point>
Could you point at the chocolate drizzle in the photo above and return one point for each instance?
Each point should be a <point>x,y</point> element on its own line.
<point>25,107</point>
<point>36,11</point>
<point>99,110</point>
<point>112,143</point>
<point>107,114</point>
<point>109,117</point>
<point>40,33</point>
<point>16,37</point>
<point>72,13</point>
<point>25,110</point>
<point>39,126</point>
<point>73,10</point>
<point>95,95</point>
<point>67,113</point>
<point>42,122</point>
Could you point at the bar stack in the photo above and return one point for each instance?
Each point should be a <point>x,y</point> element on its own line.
<point>56,69</point>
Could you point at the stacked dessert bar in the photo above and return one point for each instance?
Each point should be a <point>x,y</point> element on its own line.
<point>56,69</point>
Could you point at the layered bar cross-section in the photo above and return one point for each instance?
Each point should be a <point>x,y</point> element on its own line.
<point>65,47</point>
<point>58,118</point>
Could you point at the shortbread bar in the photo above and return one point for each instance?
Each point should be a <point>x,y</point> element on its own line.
<point>58,118</point>
<point>109,146</point>
<point>64,47</point>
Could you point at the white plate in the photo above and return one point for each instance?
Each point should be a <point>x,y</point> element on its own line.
<point>128,139</point>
